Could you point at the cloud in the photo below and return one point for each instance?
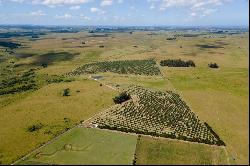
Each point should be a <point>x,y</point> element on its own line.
<point>53,3</point>
<point>82,16</point>
<point>75,7</point>
<point>65,16</point>
<point>199,8</point>
<point>106,3</point>
<point>191,3</point>
<point>96,10</point>
<point>152,7</point>
<point>119,18</point>
<point>207,12</point>
<point>19,1</point>
<point>37,13</point>
<point>193,14</point>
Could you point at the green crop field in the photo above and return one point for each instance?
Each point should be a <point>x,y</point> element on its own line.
<point>86,146</point>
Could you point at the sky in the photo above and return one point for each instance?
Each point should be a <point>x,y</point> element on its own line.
<point>126,12</point>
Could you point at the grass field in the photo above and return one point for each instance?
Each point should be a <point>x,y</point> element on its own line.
<point>219,97</point>
<point>87,146</point>
<point>53,110</point>
<point>165,151</point>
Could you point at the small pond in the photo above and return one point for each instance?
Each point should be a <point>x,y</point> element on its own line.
<point>97,77</point>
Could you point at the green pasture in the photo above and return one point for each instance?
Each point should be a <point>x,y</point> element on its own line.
<point>87,146</point>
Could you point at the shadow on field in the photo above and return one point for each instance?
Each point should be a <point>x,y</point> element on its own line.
<point>205,46</point>
<point>24,55</point>
<point>50,58</point>
<point>99,35</point>
<point>221,43</point>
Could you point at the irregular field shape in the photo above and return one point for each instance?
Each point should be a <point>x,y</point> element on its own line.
<point>86,146</point>
<point>140,67</point>
<point>159,114</point>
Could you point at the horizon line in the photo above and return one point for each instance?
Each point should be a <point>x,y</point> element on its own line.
<point>126,25</point>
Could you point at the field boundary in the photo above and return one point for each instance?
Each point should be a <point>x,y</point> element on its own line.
<point>163,138</point>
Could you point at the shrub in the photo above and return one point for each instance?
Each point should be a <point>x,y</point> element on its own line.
<point>213,65</point>
<point>171,38</point>
<point>44,65</point>
<point>35,127</point>
<point>121,98</point>
<point>66,92</point>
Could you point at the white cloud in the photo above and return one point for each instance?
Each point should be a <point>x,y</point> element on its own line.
<point>37,13</point>
<point>94,9</point>
<point>207,12</point>
<point>75,7</point>
<point>199,8</point>
<point>193,14</point>
<point>106,3</point>
<point>152,7</point>
<point>97,10</point>
<point>119,18</point>
<point>65,16</point>
<point>85,17</point>
<point>53,3</point>
<point>19,1</point>
<point>191,3</point>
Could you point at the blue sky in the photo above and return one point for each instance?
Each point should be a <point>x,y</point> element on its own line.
<point>125,12</point>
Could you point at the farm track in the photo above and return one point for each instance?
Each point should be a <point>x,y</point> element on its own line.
<point>103,83</point>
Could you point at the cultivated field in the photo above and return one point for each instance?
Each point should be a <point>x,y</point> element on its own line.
<point>157,114</point>
<point>138,67</point>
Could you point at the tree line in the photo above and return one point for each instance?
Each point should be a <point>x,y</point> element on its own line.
<point>177,63</point>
